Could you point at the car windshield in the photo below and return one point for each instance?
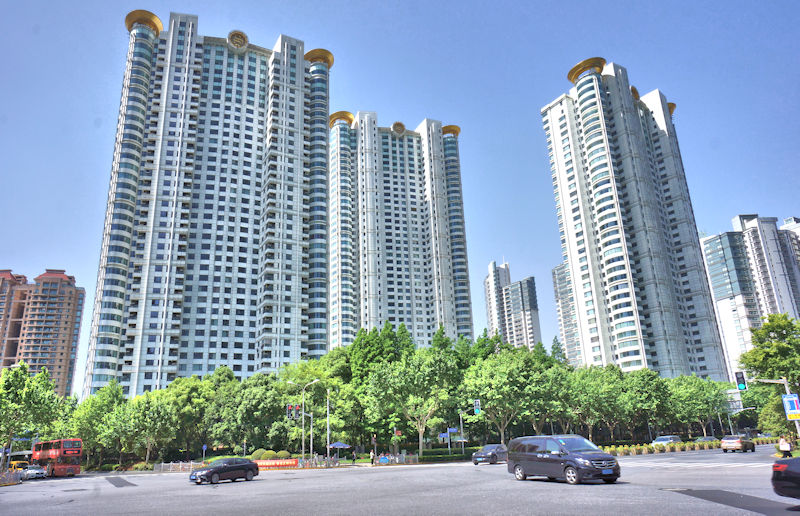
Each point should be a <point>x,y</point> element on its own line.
<point>490,447</point>
<point>218,462</point>
<point>577,444</point>
<point>730,438</point>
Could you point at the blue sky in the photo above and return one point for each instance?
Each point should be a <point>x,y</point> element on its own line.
<point>731,67</point>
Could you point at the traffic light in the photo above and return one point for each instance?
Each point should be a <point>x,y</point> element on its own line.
<point>741,383</point>
<point>298,411</point>
<point>477,407</point>
<point>289,411</point>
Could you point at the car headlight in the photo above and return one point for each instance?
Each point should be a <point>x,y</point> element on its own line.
<point>583,462</point>
<point>200,472</point>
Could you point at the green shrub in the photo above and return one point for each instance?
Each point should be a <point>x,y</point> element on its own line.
<point>269,455</point>
<point>444,458</point>
<point>108,467</point>
<point>659,448</point>
<point>142,466</point>
<point>283,454</point>
<point>258,454</point>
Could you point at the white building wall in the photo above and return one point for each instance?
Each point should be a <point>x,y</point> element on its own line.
<point>628,236</point>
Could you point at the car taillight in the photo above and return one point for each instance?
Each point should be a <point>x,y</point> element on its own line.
<point>780,467</point>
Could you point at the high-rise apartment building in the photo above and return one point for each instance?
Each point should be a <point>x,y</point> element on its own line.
<point>753,272</point>
<point>512,310</point>
<point>40,323</point>
<point>498,277</point>
<point>628,235</point>
<point>214,249</point>
<point>398,249</point>
<point>567,321</point>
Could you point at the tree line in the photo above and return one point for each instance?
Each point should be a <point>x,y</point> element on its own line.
<point>385,386</point>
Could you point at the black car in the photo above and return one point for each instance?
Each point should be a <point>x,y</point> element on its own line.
<point>570,457</point>
<point>786,477</point>
<point>490,453</point>
<point>224,469</point>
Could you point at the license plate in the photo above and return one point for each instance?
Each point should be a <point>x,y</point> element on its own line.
<point>480,459</point>
<point>192,477</point>
<point>608,472</point>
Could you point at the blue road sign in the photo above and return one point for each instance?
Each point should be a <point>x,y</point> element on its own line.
<point>452,430</point>
<point>443,435</point>
<point>205,447</point>
<point>791,405</point>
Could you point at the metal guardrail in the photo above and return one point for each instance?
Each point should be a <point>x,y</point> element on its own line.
<point>176,467</point>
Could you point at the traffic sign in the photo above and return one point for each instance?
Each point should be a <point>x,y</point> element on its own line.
<point>452,430</point>
<point>443,435</point>
<point>791,405</point>
<point>205,447</point>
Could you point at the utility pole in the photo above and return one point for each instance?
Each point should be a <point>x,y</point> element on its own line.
<point>783,381</point>
<point>461,423</point>
<point>328,416</point>
<point>311,452</point>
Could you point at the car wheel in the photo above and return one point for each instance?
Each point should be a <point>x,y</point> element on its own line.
<point>475,462</point>
<point>215,479</point>
<point>249,475</point>
<point>724,451</point>
<point>571,475</point>
<point>609,480</point>
<point>519,473</point>
<point>493,459</point>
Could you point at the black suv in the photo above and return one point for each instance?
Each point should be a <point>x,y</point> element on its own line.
<point>570,457</point>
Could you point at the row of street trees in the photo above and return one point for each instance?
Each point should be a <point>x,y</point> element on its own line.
<point>382,384</point>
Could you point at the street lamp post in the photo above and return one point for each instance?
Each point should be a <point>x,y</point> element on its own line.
<point>461,423</point>
<point>303,416</point>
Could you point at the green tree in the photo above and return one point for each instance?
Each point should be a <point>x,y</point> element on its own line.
<point>404,342</point>
<point>500,382</point>
<point>776,349</point>
<point>61,426</point>
<point>772,418</point>
<point>415,387</point>
<point>645,398</point>
<point>694,400</point>
<point>557,351</point>
<point>117,431</point>
<point>27,403</point>
<point>87,420</point>
<point>589,392</point>
<point>440,341</point>
<point>153,421</point>
<point>188,398</point>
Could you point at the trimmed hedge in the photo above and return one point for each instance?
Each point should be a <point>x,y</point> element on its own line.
<point>283,454</point>
<point>269,455</point>
<point>258,454</point>
<point>445,458</point>
<point>142,466</point>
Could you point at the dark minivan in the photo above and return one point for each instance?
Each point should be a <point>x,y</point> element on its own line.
<point>570,457</point>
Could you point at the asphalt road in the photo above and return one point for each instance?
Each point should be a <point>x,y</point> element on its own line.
<point>702,482</point>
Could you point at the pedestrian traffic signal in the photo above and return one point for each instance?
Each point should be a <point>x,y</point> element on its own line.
<point>741,383</point>
<point>290,411</point>
<point>477,407</point>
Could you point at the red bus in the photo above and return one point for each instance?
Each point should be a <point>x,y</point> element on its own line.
<point>60,458</point>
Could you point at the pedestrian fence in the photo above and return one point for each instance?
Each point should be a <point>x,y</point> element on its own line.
<point>175,467</point>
